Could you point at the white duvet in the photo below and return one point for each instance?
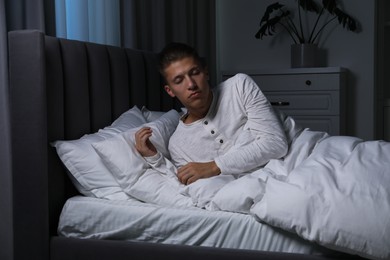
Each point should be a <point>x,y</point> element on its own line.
<point>339,197</point>
<point>332,190</point>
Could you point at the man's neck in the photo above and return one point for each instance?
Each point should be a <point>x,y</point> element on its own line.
<point>194,115</point>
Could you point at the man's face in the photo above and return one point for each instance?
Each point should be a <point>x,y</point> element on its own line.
<point>188,81</point>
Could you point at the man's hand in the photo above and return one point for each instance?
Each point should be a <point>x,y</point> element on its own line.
<point>143,144</point>
<point>193,171</point>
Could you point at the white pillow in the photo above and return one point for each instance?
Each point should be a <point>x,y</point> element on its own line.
<point>151,115</point>
<point>88,173</point>
<point>123,160</point>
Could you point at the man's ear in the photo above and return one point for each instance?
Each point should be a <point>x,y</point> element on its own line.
<point>169,91</point>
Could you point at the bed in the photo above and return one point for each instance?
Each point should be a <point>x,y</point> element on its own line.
<point>63,90</point>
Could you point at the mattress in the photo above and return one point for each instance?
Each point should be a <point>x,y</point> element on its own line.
<point>132,220</point>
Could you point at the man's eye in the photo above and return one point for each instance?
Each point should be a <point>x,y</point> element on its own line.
<point>177,80</point>
<point>195,72</point>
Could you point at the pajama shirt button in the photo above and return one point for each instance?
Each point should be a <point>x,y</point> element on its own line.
<point>212,132</point>
<point>206,122</point>
<point>221,141</point>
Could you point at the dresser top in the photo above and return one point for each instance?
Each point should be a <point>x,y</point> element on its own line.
<point>286,71</point>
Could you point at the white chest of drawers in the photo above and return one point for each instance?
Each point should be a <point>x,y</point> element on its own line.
<point>314,97</point>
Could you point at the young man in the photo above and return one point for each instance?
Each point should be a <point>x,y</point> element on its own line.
<point>230,129</point>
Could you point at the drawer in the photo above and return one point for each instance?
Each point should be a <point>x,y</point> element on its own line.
<point>306,103</point>
<point>298,82</point>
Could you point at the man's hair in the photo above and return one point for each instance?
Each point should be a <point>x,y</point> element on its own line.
<point>176,51</point>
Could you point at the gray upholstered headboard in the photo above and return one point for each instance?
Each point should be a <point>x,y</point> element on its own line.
<point>62,89</point>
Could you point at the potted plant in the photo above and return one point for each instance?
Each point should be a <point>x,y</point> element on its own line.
<point>305,37</point>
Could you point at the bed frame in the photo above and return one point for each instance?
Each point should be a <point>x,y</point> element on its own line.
<point>62,89</point>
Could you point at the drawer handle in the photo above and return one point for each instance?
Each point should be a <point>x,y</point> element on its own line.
<point>308,82</point>
<point>280,103</point>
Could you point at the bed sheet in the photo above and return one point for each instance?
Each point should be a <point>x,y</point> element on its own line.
<point>86,217</point>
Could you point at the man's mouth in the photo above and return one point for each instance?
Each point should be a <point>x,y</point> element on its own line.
<point>194,94</point>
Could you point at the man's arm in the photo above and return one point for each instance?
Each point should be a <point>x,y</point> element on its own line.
<point>269,140</point>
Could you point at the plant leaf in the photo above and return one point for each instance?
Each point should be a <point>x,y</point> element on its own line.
<point>344,19</point>
<point>276,14</point>
<point>270,9</point>
<point>309,5</point>
<point>268,28</point>
<point>272,16</point>
<point>329,5</point>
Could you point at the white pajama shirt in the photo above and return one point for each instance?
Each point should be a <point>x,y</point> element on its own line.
<point>240,132</point>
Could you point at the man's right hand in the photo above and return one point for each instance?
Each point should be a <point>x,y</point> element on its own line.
<point>143,144</point>
<point>194,171</point>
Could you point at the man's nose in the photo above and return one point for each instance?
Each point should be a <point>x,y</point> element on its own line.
<point>190,83</point>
